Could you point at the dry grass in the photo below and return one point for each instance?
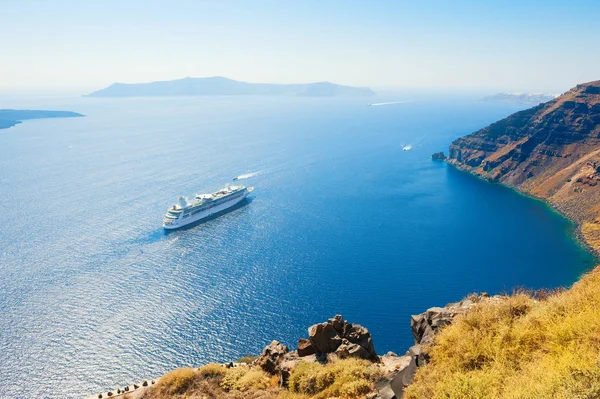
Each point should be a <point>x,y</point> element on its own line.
<point>178,380</point>
<point>591,233</point>
<point>212,370</point>
<point>519,348</point>
<point>213,381</point>
<point>245,378</point>
<point>348,378</point>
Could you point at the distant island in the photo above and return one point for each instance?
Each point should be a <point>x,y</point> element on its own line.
<point>12,117</point>
<point>523,98</point>
<point>220,86</point>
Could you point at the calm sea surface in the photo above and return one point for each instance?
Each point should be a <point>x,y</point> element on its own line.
<point>94,294</point>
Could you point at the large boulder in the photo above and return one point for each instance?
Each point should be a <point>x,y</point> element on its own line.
<point>359,335</point>
<point>348,349</point>
<point>305,348</point>
<point>391,364</point>
<point>324,338</point>
<point>271,357</point>
<point>426,325</point>
<point>403,377</point>
<point>342,338</point>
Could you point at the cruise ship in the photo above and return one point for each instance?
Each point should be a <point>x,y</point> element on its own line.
<point>203,206</point>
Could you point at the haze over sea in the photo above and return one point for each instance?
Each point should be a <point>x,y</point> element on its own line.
<point>95,294</point>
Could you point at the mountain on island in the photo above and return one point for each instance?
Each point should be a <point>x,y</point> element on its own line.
<point>12,117</point>
<point>219,86</point>
<point>522,98</point>
<point>551,151</point>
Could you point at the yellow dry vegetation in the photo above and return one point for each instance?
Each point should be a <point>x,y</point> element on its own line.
<point>178,380</point>
<point>591,233</point>
<point>213,381</point>
<point>244,379</point>
<point>212,370</point>
<point>348,378</point>
<point>344,379</point>
<point>519,348</point>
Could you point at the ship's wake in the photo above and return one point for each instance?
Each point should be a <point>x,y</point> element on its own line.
<point>389,103</point>
<point>247,175</point>
<point>418,142</point>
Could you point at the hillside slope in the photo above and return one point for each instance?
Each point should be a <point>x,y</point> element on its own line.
<point>551,151</point>
<point>521,348</point>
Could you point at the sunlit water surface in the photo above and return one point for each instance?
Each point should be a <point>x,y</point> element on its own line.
<point>94,294</point>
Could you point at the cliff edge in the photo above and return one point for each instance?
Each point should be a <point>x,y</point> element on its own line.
<point>551,151</point>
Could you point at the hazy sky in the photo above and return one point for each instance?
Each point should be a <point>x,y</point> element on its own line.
<point>509,45</point>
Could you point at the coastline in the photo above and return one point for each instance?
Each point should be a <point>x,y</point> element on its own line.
<point>12,117</point>
<point>578,234</point>
<point>424,327</point>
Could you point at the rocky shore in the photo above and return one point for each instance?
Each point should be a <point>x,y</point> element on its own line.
<point>337,339</point>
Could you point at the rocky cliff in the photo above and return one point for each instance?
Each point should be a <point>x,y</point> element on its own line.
<point>551,151</point>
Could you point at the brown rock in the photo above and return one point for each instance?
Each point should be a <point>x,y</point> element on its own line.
<point>391,365</point>
<point>338,323</point>
<point>403,377</point>
<point>324,338</point>
<point>328,337</point>
<point>349,349</point>
<point>272,357</point>
<point>426,325</point>
<point>305,348</point>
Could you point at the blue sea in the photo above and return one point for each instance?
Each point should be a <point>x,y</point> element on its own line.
<point>95,295</point>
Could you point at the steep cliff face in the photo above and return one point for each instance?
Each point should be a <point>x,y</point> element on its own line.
<point>551,151</point>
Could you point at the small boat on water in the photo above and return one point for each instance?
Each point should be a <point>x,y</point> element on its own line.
<point>203,206</point>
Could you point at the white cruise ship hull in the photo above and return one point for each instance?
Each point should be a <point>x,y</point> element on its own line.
<point>206,213</point>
